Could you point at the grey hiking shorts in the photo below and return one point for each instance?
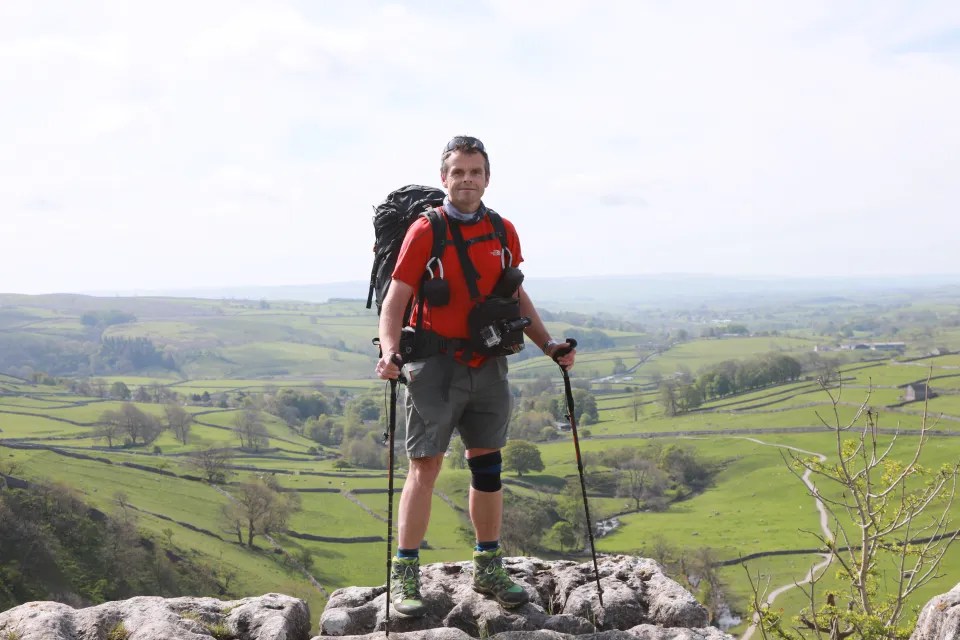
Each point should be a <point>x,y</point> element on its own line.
<point>478,407</point>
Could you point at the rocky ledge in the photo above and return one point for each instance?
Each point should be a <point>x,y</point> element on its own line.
<point>639,601</point>
<point>268,617</point>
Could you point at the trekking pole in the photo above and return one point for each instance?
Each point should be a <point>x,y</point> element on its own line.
<point>576,446</point>
<point>389,438</point>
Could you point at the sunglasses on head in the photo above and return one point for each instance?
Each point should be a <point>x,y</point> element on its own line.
<point>465,143</point>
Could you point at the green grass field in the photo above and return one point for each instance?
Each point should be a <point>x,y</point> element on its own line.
<point>755,505</point>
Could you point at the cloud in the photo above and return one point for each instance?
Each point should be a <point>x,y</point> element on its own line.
<point>245,142</point>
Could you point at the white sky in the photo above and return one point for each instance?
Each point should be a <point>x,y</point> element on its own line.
<point>150,145</point>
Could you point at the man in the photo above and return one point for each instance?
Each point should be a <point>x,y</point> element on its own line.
<point>458,390</point>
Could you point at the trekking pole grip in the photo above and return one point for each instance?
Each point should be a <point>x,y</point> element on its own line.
<point>562,351</point>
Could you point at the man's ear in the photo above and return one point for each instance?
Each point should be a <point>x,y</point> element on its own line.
<point>443,178</point>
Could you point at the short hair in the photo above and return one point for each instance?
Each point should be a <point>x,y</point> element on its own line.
<point>466,144</point>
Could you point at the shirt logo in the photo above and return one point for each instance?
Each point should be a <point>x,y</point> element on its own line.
<point>495,252</point>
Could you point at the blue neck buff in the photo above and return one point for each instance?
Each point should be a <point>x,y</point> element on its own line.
<point>461,217</point>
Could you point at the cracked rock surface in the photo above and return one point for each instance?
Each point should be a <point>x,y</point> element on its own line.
<point>639,601</point>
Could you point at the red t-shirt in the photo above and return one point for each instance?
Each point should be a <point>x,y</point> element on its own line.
<point>450,320</point>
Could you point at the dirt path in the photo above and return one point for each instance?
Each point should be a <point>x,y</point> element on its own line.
<point>824,526</point>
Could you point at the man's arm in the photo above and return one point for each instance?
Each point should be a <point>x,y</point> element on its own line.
<point>538,334</point>
<point>391,322</point>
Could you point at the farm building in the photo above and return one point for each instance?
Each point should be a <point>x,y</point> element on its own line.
<point>917,391</point>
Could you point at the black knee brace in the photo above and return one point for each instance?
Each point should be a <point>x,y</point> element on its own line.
<point>485,472</point>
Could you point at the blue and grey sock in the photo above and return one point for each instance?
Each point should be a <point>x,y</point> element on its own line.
<point>408,553</point>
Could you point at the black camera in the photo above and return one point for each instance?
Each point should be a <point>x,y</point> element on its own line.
<point>493,333</point>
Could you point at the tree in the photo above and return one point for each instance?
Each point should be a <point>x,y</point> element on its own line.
<point>890,518</point>
<point>130,421</point>
<point>564,534</point>
<point>570,508</point>
<point>108,427</point>
<point>637,405</point>
<point>248,425</point>
<point>641,479</point>
<point>179,421</point>
<point>260,507</point>
<point>684,467</point>
<point>618,366</point>
<point>584,407</point>
<point>213,463</point>
<point>522,456</point>
<point>120,391</point>
<point>365,452</point>
<point>524,523</point>
<point>668,398</point>
<point>362,409</point>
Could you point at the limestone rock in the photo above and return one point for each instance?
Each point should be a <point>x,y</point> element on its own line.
<point>940,618</point>
<point>268,617</point>
<point>639,601</point>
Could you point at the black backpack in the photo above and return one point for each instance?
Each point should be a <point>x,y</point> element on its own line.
<point>391,219</point>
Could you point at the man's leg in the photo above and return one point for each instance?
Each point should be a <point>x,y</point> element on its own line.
<point>413,516</point>
<point>486,507</point>
<point>486,513</point>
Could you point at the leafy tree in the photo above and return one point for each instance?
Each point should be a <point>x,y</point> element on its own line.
<point>213,463</point>
<point>890,531</point>
<point>120,391</point>
<point>260,507</point>
<point>129,421</point>
<point>585,407</point>
<point>564,534</point>
<point>618,366</point>
<point>365,452</point>
<point>668,398</point>
<point>179,421</point>
<point>522,456</point>
<point>249,427</point>
<point>361,409</point>
<point>324,430</point>
<point>108,427</point>
<point>685,468</point>
<point>524,523</point>
<point>641,479</point>
<point>570,509</point>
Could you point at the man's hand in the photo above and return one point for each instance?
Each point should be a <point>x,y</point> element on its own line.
<point>387,367</point>
<point>564,354</point>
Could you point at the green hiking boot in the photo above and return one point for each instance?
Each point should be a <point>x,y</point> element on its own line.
<point>405,587</point>
<point>491,578</point>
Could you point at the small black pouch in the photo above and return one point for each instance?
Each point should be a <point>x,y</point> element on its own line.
<point>436,292</point>
<point>510,280</point>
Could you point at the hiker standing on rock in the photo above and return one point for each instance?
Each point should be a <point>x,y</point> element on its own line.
<point>461,328</point>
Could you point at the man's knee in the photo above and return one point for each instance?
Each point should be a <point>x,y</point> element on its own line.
<point>485,472</point>
<point>424,471</point>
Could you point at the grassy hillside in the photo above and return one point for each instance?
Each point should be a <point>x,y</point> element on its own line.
<point>240,352</point>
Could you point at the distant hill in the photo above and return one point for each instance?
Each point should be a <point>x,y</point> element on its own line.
<point>628,290</point>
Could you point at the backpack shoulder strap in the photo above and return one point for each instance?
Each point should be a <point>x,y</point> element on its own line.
<point>438,225</point>
<point>498,226</point>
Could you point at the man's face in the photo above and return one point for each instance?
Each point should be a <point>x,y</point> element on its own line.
<point>466,180</point>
